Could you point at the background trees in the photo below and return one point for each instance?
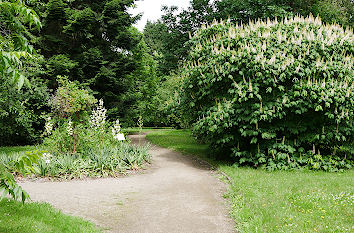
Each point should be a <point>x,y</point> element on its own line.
<point>91,42</point>
<point>175,25</point>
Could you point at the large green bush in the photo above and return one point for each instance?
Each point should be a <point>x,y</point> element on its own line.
<point>274,93</point>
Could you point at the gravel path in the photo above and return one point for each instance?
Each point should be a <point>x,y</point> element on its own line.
<point>175,195</point>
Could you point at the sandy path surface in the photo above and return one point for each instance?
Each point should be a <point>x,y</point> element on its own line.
<point>175,195</point>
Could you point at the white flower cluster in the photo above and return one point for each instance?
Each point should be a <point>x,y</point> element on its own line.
<point>48,126</point>
<point>69,128</point>
<point>116,129</point>
<point>140,122</point>
<point>46,157</point>
<point>98,117</point>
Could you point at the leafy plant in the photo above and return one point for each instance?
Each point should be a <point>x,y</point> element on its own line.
<point>23,164</point>
<point>277,94</point>
<point>70,106</point>
<point>103,161</point>
<point>14,44</point>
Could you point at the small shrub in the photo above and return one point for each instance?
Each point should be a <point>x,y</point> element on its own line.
<point>82,142</point>
<point>277,94</point>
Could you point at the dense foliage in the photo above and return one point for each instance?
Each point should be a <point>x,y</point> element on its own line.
<point>274,93</point>
<point>20,108</point>
<point>168,37</point>
<point>21,112</point>
<point>93,42</point>
<point>15,21</point>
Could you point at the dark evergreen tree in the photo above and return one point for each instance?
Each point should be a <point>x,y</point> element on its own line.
<point>91,42</point>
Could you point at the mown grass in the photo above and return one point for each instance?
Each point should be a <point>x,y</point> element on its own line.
<point>136,130</point>
<point>262,201</point>
<point>180,140</point>
<point>39,217</point>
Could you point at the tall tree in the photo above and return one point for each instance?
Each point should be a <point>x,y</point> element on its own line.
<point>90,41</point>
<point>171,32</point>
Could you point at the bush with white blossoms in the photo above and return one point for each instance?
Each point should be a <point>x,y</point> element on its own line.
<point>275,93</point>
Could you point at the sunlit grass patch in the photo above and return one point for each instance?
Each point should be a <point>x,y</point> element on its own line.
<point>39,217</point>
<point>291,201</point>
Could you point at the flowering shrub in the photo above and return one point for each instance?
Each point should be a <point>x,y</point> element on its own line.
<point>277,94</point>
<point>72,128</point>
<point>70,106</point>
<point>80,141</point>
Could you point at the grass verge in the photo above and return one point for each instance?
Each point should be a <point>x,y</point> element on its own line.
<point>262,201</point>
<point>39,217</point>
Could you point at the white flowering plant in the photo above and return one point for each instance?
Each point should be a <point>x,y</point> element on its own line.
<point>79,129</point>
<point>48,127</point>
<point>98,117</point>
<point>274,93</point>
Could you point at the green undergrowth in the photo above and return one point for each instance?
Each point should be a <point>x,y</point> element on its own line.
<point>39,217</point>
<point>96,162</point>
<point>278,201</point>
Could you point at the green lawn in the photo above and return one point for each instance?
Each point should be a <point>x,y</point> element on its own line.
<point>135,130</point>
<point>39,217</point>
<point>180,140</point>
<point>262,201</point>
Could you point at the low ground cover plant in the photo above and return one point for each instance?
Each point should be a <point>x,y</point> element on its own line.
<point>275,94</point>
<point>95,162</point>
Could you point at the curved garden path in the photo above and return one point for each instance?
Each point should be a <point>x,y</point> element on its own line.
<point>175,195</point>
